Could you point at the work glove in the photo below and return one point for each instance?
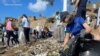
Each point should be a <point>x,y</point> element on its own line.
<point>62,49</point>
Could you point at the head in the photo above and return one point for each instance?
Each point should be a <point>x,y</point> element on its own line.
<point>46,29</point>
<point>57,13</point>
<point>65,17</point>
<point>24,16</point>
<point>16,19</point>
<point>11,19</point>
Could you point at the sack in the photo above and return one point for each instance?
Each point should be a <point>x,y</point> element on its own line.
<point>5,34</point>
<point>59,33</point>
<point>21,37</point>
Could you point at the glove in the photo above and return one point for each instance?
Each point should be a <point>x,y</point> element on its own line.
<point>62,49</point>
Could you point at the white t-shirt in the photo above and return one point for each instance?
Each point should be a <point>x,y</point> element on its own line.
<point>25,22</point>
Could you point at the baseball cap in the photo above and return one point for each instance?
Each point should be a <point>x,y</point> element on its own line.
<point>63,15</point>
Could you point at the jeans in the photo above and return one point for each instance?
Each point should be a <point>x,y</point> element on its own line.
<point>81,12</point>
<point>26,33</point>
<point>9,35</point>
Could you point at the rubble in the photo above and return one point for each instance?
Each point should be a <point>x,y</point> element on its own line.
<point>43,47</point>
<point>48,47</point>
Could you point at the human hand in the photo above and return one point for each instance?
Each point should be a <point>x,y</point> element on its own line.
<point>63,48</point>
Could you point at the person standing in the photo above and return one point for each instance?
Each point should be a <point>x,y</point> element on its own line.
<point>57,17</point>
<point>26,26</point>
<point>81,8</point>
<point>3,34</point>
<point>15,27</point>
<point>9,29</point>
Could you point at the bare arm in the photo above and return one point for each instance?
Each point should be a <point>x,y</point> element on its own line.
<point>76,3</point>
<point>66,39</point>
<point>87,28</point>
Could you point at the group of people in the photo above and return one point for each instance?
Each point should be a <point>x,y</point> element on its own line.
<point>13,34</point>
<point>73,28</point>
<point>10,31</point>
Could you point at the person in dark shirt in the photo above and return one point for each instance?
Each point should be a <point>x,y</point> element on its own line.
<point>81,8</point>
<point>47,33</point>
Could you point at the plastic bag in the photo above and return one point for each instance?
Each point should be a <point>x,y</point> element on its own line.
<point>21,36</point>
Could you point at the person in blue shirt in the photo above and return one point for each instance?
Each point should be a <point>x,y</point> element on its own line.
<point>74,27</point>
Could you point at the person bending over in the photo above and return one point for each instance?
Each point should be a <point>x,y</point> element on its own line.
<point>74,27</point>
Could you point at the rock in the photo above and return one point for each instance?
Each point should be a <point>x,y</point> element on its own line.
<point>42,54</point>
<point>43,47</point>
<point>18,53</point>
<point>2,50</point>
